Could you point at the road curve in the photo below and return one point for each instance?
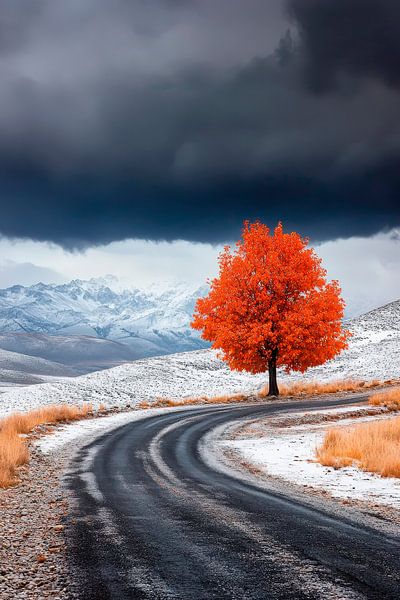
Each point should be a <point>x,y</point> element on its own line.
<point>153,519</point>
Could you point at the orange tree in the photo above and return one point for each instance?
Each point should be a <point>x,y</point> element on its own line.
<point>271,305</point>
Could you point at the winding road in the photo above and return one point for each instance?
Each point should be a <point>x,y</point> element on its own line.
<point>154,518</point>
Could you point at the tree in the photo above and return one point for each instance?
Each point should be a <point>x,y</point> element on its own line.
<point>271,306</point>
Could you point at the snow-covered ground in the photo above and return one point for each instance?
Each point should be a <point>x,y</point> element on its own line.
<point>289,453</point>
<point>185,375</point>
<point>69,433</point>
<point>374,349</point>
<point>374,353</point>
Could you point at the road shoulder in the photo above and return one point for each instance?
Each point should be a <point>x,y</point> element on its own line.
<point>279,452</point>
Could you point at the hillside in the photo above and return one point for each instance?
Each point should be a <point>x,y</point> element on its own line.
<point>84,353</point>
<point>374,353</point>
<point>374,349</point>
<point>20,369</point>
<point>147,322</point>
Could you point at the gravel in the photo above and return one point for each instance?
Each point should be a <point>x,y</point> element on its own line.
<point>33,561</point>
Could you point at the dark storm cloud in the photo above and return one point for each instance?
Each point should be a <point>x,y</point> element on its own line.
<point>178,119</point>
<point>358,37</point>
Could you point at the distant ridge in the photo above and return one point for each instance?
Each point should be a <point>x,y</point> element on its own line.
<point>22,369</point>
<point>136,323</point>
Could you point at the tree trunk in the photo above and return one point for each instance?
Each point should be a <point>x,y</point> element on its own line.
<point>273,385</point>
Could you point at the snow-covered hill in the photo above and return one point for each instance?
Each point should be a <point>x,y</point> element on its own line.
<point>149,322</point>
<point>84,353</point>
<point>374,349</point>
<point>374,353</point>
<point>20,369</point>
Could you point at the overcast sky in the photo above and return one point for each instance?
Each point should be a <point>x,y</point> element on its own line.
<point>178,119</point>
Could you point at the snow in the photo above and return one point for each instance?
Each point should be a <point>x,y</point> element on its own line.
<point>289,453</point>
<point>374,353</point>
<point>71,432</point>
<point>147,321</point>
<point>185,375</point>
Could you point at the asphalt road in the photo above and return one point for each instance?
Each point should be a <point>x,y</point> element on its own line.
<point>154,520</point>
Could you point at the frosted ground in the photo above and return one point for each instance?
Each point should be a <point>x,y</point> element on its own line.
<point>289,453</point>
<point>19,369</point>
<point>374,353</point>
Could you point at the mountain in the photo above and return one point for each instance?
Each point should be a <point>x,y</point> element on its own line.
<point>93,325</point>
<point>146,322</point>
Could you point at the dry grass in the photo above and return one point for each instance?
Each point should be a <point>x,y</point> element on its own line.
<point>373,447</point>
<point>389,398</point>
<point>14,449</point>
<point>171,402</point>
<point>300,388</point>
<point>225,399</point>
<point>314,388</point>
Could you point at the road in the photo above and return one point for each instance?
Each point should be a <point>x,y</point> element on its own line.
<point>154,519</point>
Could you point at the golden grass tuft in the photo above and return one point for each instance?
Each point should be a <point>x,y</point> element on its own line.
<point>314,388</point>
<point>13,454</point>
<point>389,398</point>
<point>189,401</point>
<point>225,399</point>
<point>373,447</point>
<point>13,448</point>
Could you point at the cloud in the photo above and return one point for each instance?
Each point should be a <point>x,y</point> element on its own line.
<point>152,121</point>
<point>355,37</point>
<point>26,273</point>
<point>367,268</point>
<point>136,263</point>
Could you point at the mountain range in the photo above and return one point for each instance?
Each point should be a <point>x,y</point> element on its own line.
<point>95,324</point>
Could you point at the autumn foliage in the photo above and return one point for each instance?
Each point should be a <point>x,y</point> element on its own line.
<point>271,305</point>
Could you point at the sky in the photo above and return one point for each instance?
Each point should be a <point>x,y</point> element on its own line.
<point>136,137</point>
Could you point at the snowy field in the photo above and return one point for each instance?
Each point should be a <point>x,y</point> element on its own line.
<point>289,453</point>
<point>374,353</point>
<point>189,374</point>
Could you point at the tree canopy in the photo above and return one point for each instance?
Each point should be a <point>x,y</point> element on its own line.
<point>271,305</point>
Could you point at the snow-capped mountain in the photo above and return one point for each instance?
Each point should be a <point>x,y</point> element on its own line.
<point>149,322</point>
